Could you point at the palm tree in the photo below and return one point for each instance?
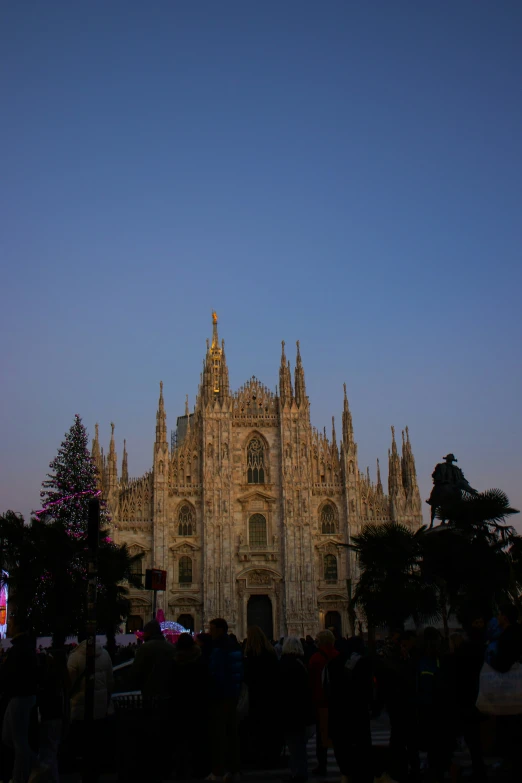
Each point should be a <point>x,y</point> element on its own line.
<point>391,589</point>
<point>482,515</point>
<point>466,561</point>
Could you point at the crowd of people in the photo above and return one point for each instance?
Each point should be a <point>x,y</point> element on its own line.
<point>211,705</point>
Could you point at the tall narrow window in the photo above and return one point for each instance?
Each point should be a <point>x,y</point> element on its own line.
<point>330,568</point>
<point>255,462</point>
<point>186,526</point>
<point>257,530</point>
<point>185,570</point>
<point>328,519</point>
<point>136,566</point>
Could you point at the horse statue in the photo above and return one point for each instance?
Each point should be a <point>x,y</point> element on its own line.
<point>449,483</point>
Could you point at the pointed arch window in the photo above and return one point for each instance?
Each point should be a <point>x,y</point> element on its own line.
<point>330,568</point>
<point>186,524</point>
<point>328,521</point>
<point>257,530</point>
<point>255,462</point>
<point>185,570</point>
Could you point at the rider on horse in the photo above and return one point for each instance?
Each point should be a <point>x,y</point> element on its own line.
<point>448,484</point>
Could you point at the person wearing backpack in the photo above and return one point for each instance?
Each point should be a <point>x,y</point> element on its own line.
<point>348,683</point>
<point>326,652</point>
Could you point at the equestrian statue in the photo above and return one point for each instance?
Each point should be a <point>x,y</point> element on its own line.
<point>449,484</point>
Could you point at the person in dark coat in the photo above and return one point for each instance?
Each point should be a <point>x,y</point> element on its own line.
<point>204,642</point>
<point>226,677</point>
<point>18,684</point>
<point>54,708</point>
<point>461,674</point>
<point>396,672</point>
<point>309,648</point>
<point>348,685</point>
<point>297,709</point>
<point>188,692</point>
<point>151,662</point>
<point>262,730</point>
<point>508,649</point>
<point>435,717</point>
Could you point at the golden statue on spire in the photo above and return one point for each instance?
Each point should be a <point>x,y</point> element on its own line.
<point>214,317</point>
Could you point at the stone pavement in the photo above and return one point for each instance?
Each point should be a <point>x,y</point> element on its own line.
<point>380,739</point>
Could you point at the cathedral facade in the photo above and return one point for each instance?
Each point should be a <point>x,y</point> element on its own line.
<point>248,508</point>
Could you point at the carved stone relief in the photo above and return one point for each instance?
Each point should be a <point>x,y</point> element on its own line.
<point>259,578</point>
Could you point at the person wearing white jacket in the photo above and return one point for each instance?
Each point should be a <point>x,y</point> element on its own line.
<point>103,681</point>
<point>103,684</point>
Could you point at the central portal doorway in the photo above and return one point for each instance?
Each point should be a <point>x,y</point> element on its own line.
<point>333,620</point>
<point>259,612</point>
<point>187,621</point>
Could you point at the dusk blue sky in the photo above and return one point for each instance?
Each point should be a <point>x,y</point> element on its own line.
<point>344,173</point>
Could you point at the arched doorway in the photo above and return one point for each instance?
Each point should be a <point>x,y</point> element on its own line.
<point>333,620</point>
<point>134,623</point>
<point>259,612</point>
<point>187,621</point>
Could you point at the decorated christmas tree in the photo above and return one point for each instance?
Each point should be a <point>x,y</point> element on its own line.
<point>73,481</point>
<point>60,528</point>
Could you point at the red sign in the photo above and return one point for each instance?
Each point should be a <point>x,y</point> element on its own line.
<point>155,579</point>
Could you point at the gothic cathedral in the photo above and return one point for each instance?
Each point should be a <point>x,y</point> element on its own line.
<point>249,506</point>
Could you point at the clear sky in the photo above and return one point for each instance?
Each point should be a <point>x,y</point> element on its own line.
<point>344,173</point>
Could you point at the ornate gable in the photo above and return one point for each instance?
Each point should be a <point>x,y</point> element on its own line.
<point>254,496</point>
<point>185,547</point>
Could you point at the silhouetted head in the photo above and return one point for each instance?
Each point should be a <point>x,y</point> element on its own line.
<point>256,642</point>
<point>185,642</point>
<point>325,639</point>
<point>152,630</point>
<point>450,458</point>
<point>292,646</point>
<point>218,628</point>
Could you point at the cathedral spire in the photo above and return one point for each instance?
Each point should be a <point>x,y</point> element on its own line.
<point>124,465</point>
<point>299,383</point>
<point>161,419</point>
<point>379,482</point>
<point>395,468</point>
<point>223,382</point>
<point>285,379</point>
<point>96,454</point>
<point>104,474</point>
<point>347,422</point>
<point>214,385</point>
<point>409,472</point>
<point>112,466</point>
<point>334,437</point>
